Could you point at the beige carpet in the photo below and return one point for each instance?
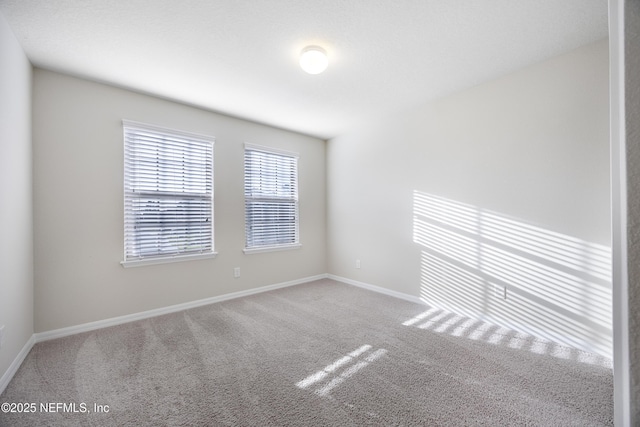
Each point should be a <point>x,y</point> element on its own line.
<point>318,354</point>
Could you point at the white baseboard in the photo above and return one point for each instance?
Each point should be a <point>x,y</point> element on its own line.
<point>91,326</point>
<point>15,365</point>
<point>378,289</point>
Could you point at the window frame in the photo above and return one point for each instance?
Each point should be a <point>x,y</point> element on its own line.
<point>294,198</point>
<point>131,127</point>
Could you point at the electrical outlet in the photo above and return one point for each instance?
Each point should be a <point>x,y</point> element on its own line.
<point>236,272</point>
<point>357,263</point>
<point>1,336</point>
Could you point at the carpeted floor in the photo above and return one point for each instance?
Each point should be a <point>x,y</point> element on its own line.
<point>318,354</point>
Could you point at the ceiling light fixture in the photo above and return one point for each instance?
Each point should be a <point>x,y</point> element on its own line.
<point>313,59</point>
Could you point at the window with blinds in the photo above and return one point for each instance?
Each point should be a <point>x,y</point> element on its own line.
<point>168,191</point>
<point>271,199</point>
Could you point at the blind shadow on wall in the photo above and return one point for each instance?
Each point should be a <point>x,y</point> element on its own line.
<point>485,264</point>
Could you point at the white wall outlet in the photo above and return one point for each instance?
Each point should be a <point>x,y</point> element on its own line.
<point>1,336</point>
<point>236,272</point>
<point>357,263</point>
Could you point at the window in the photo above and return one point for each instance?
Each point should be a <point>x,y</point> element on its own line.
<point>271,199</point>
<point>168,195</point>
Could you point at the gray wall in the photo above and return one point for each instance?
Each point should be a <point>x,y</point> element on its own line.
<point>502,185</point>
<point>16,220</point>
<point>632,105</point>
<point>78,205</point>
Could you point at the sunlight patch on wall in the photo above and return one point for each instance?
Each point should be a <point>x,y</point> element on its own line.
<point>483,264</point>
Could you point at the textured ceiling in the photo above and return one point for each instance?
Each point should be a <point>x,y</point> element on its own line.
<point>240,57</point>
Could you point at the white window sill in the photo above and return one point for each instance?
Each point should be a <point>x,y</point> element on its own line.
<point>261,249</point>
<point>166,260</point>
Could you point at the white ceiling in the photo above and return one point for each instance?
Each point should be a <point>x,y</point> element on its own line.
<point>240,57</point>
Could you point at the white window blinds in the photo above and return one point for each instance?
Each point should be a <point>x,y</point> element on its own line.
<point>168,188</point>
<point>271,198</point>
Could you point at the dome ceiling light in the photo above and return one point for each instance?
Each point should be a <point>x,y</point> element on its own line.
<point>313,59</point>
